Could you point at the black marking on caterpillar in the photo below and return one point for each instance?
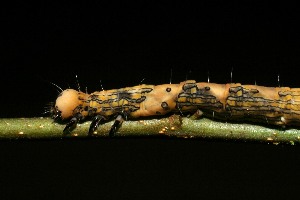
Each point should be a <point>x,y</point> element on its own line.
<point>165,105</point>
<point>269,105</point>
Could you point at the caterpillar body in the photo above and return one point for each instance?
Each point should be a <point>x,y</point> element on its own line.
<point>232,101</point>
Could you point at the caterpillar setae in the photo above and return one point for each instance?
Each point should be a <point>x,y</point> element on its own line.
<point>232,101</point>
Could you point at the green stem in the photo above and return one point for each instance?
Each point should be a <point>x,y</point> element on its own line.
<point>176,126</point>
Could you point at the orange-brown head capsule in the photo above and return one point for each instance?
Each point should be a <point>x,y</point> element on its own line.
<point>67,102</point>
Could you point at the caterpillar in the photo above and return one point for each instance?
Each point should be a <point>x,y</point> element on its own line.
<point>232,102</point>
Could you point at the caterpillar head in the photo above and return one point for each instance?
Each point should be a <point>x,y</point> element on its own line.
<point>68,103</point>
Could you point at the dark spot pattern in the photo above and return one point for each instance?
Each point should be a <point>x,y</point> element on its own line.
<point>165,105</point>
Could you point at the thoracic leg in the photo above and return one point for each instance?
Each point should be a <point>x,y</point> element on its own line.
<point>95,124</point>
<point>72,123</point>
<point>117,124</point>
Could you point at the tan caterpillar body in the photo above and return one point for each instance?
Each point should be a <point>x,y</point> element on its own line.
<point>271,105</point>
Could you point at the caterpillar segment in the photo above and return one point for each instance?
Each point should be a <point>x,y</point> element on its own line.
<point>230,102</point>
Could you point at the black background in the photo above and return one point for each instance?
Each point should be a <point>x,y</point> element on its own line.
<point>121,43</point>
